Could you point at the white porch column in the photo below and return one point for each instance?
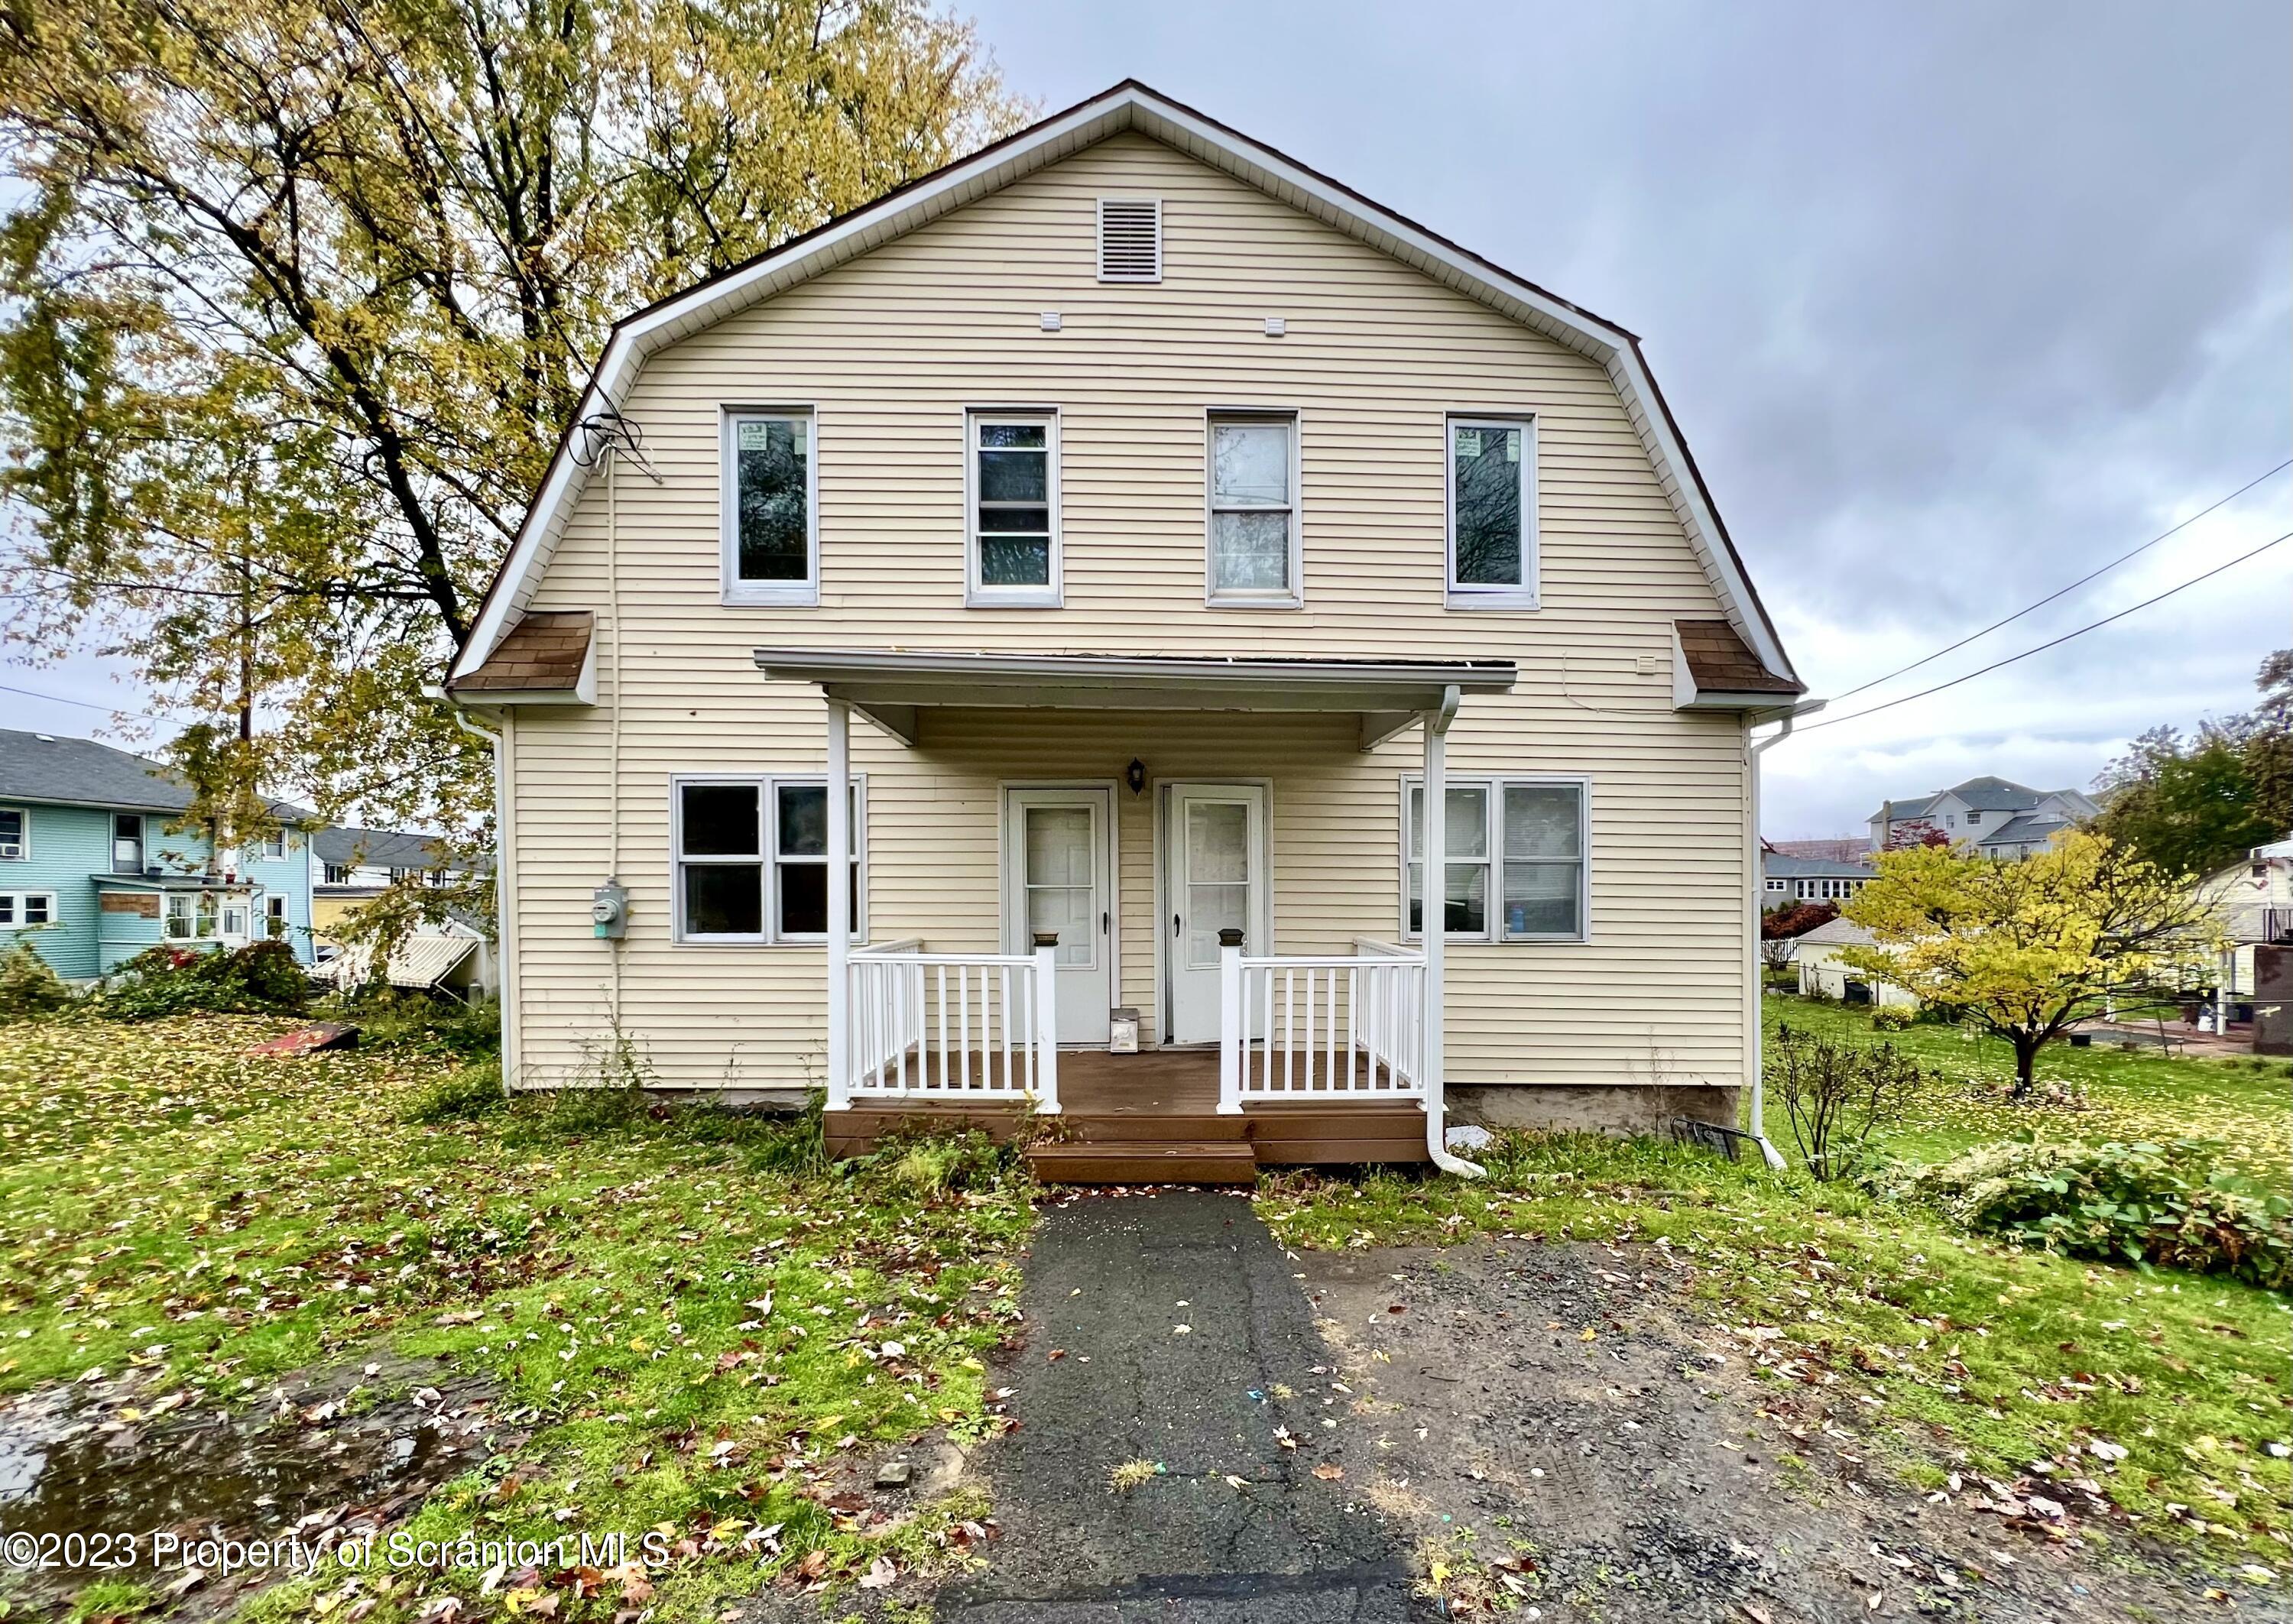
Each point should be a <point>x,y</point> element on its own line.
<point>1434,827</point>
<point>1046,1022</point>
<point>1231,1057</point>
<point>840,905</point>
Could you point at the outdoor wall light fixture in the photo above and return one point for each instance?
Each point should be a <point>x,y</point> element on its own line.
<point>1135,775</point>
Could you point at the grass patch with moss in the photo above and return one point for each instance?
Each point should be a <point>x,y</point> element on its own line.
<point>696,1316</point>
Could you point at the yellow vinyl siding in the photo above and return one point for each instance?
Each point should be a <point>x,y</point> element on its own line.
<point>889,351</point>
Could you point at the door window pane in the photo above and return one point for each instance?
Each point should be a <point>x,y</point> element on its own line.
<point>1487,465</point>
<point>1060,882</point>
<point>772,499</point>
<point>1217,876</point>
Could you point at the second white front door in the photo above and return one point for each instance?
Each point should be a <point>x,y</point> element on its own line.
<point>1214,879</point>
<point>1057,877</point>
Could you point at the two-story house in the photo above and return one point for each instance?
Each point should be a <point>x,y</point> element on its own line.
<point>93,870</point>
<point>1996,816</point>
<point>1139,531</point>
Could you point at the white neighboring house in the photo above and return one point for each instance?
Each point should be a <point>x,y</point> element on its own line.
<point>2253,899</point>
<point>1996,816</point>
<point>1787,880</point>
<point>1821,973</point>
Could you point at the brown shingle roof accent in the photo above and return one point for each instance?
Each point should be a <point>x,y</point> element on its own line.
<point>1721,663</point>
<point>542,654</point>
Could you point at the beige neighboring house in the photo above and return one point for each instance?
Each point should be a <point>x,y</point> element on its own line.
<point>2253,901</point>
<point>1822,974</point>
<point>1131,522</point>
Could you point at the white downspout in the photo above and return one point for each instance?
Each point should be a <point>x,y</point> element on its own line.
<point>1434,829</point>
<point>1755,1037</point>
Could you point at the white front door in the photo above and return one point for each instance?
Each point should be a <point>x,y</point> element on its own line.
<point>1214,879</point>
<point>1057,877</point>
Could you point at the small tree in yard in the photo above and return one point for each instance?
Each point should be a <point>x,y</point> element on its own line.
<point>2028,949</point>
<point>1781,931</point>
<point>1836,1094</point>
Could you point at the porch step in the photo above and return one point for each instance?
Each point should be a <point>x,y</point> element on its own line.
<point>1230,1161</point>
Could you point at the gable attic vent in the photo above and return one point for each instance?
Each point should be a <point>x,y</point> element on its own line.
<point>1129,239</point>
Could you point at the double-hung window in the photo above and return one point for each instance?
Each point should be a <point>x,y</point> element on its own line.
<point>15,834</point>
<point>1014,501</point>
<point>191,916</point>
<point>770,538</point>
<point>1515,853</point>
<point>752,859</point>
<point>22,909</point>
<point>274,913</point>
<point>1492,513</point>
<point>1253,508</point>
<point>127,842</point>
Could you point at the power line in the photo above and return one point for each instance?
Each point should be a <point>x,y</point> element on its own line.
<point>57,699</point>
<point>2057,643</point>
<point>2073,587</point>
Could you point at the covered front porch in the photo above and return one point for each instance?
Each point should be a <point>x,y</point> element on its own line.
<point>1251,1055</point>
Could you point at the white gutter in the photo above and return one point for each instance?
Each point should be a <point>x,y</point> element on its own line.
<point>1756,1037</point>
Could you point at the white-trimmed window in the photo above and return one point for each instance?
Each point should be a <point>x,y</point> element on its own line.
<point>1493,512</point>
<point>1826,890</point>
<point>23,910</point>
<point>1778,885</point>
<point>1515,850</point>
<point>752,859</point>
<point>276,924</point>
<point>127,842</point>
<point>15,834</point>
<point>192,916</point>
<point>1012,508</point>
<point>771,518</point>
<point>1253,508</point>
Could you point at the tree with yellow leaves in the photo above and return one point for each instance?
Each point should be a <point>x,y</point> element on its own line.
<point>2028,948</point>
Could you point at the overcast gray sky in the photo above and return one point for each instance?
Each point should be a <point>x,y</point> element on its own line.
<point>1954,303</point>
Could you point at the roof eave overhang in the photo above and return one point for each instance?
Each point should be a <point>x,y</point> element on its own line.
<point>1132,105</point>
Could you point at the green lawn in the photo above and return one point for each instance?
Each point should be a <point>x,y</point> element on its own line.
<point>1937,1350</point>
<point>173,1203</point>
<point>2091,1093</point>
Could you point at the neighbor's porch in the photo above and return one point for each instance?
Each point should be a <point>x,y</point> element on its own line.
<point>1331,1055</point>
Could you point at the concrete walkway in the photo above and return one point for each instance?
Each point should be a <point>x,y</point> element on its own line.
<point>1237,1528</point>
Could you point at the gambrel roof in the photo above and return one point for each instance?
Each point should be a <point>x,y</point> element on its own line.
<point>1132,105</point>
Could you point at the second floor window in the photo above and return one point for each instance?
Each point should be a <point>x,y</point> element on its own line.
<point>771,539</point>
<point>13,844</point>
<point>1253,509</point>
<point>1015,508</point>
<point>1492,513</point>
<point>127,842</point>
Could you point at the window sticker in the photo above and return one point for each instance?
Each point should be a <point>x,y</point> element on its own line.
<point>1468,442</point>
<point>756,436</point>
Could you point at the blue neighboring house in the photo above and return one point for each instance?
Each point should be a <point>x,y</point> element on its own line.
<point>91,876</point>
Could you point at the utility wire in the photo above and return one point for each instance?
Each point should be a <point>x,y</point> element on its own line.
<point>1890,704</point>
<point>57,699</point>
<point>2073,587</point>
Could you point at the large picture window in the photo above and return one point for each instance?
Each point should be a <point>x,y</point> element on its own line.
<point>1014,507</point>
<point>771,521</point>
<point>1253,508</point>
<point>1515,856</point>
<point>1492,513</point>
<point>752,859</point>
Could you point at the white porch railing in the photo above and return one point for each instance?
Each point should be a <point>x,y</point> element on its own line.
<point>1334,1028</point>
<point>950,1026</point>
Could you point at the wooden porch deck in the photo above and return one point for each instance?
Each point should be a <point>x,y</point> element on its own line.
<point>1152,1117</point>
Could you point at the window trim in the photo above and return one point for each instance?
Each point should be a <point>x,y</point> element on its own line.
<point>277,916</point>
<point>1493,785</point>
<point>15,903</point>
<point>732,590</point>
<point>768,785</point>
<point>24,852</point>
<point>1294,594</point>
<point>1528,593</point>
<point>977,593</point>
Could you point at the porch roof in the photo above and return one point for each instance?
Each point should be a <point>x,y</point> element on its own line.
<point>890,687</point>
